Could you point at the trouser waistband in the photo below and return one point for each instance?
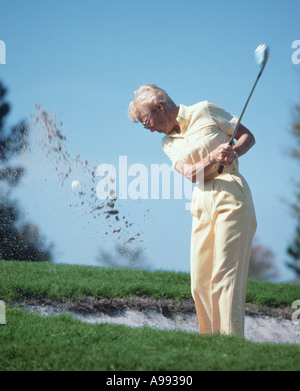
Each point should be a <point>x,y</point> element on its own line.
<point>226,170</point>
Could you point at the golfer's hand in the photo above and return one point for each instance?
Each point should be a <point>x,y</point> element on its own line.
<point>224,154</point>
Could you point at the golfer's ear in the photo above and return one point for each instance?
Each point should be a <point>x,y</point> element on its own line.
<point>160,106</point>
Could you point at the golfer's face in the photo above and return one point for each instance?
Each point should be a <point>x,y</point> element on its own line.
<point>156,121</point>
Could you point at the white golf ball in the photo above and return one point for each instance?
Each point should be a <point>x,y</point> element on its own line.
<point>76,185</point>
<point>261,53</point>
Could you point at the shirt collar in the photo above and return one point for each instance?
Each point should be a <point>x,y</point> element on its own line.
<point>182,119</point>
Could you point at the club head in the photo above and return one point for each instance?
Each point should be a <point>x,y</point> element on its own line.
<point>261,54</point>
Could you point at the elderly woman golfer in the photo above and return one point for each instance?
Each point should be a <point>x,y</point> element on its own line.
<point>196,140</point>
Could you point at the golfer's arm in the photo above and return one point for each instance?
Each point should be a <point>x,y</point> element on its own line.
<point>245,140</point>
<point>195,171</point>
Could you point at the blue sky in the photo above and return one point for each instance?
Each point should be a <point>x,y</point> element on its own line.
<point>82,60</point>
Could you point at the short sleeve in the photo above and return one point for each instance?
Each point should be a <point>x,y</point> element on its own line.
<point>169,151</point>
<point>224,120</point>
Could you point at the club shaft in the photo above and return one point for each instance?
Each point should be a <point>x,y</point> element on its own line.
<point>220,170</point>
<point>244,109</point>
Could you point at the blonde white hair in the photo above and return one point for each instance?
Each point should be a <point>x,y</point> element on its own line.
<point>145,99</point>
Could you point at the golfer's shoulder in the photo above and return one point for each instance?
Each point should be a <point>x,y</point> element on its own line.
<point>200,107</point>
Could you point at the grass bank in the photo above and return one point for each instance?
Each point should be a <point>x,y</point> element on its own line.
<point>31,342</point>
<point>59,282</point>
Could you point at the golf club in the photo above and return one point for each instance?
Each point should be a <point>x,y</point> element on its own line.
<point>261,56</point>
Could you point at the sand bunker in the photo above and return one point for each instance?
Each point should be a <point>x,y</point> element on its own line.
<point>258,328</point>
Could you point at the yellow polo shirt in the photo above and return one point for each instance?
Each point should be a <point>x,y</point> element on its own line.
<point>204,126</point>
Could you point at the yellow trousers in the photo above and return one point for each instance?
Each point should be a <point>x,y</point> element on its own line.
<point>223,227</point>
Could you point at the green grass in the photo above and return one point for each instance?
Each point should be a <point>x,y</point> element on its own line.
<point>61,343</point>
<point>56,281</point>
<point>31,342</point>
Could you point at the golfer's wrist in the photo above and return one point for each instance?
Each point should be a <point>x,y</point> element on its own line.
<point>211,159</point>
